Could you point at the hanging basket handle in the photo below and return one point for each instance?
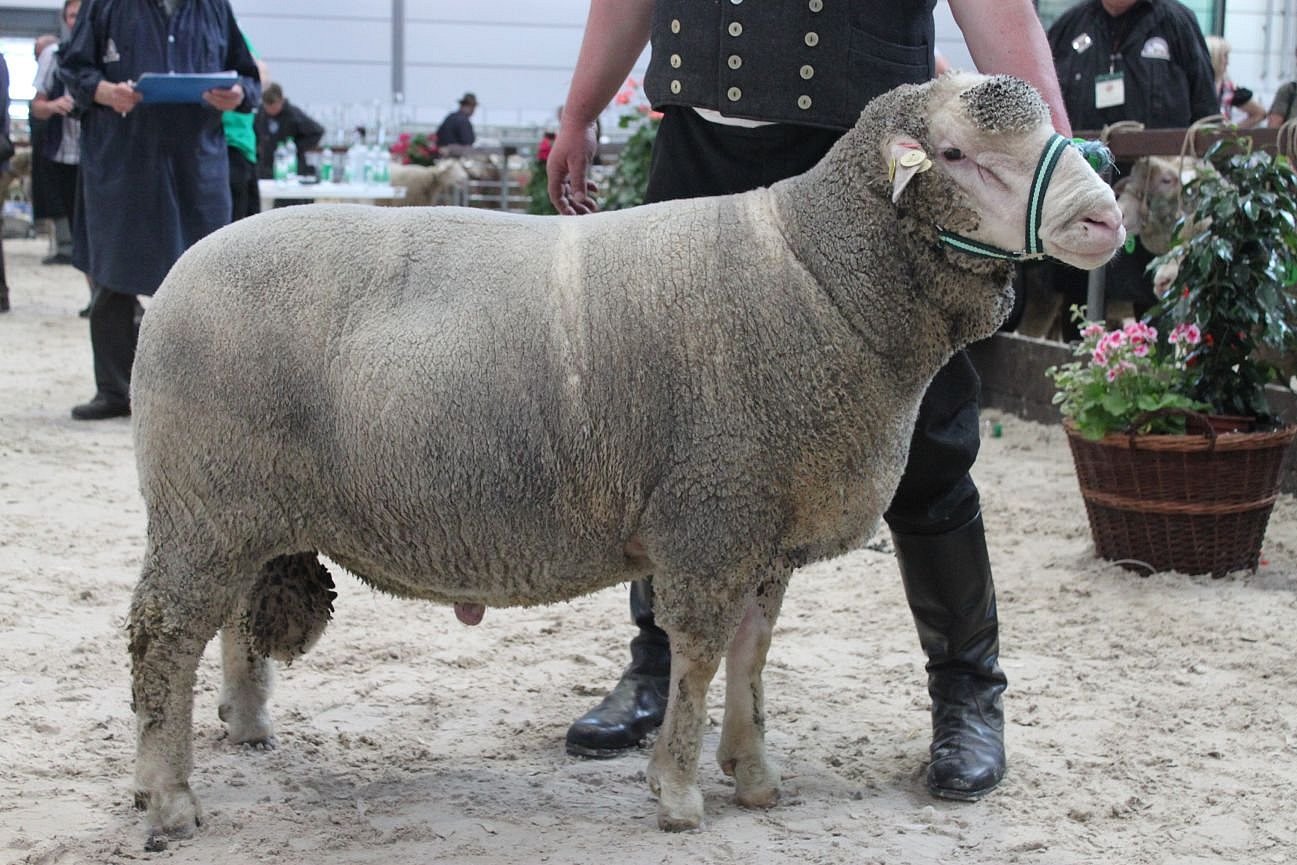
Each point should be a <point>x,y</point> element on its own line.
<point>1192,418</point>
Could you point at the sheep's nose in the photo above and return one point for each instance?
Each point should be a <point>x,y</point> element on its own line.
<point>1103,225</point>
<point>1107,216</point>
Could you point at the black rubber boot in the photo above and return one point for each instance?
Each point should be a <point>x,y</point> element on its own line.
<point>948,584</point>
<point>114,329</point>
<point>637,704</point>
<point>4,282</point>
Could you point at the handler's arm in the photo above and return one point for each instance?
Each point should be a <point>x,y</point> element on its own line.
<point>616,32</point>
<point>1005,36</point>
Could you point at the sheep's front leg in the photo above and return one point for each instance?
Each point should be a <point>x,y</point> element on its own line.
<point>673,769</point>
<point>742,749</point>
<point>247,681</point>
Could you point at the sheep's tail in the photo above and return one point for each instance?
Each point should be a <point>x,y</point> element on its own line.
<point>289,606</point>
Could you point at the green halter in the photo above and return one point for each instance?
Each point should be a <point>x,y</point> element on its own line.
<point>1039,184</point>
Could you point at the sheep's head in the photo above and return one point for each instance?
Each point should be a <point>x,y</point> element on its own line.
<point>965,152</point>
<point>1151,198</point>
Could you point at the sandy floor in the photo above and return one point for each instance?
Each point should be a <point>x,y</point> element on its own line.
<point>1151,720</point>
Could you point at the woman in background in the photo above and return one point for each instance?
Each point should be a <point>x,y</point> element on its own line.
<point>1232,98</point>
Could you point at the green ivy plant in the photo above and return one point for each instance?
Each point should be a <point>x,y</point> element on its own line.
<point>629,181</point>
<point>1237,255</point>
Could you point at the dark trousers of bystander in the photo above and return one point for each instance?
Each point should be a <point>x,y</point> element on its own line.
<point>245,198</point>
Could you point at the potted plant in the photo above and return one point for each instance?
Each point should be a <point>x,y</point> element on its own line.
<point>1168,483</point>
<point>1230,273</point>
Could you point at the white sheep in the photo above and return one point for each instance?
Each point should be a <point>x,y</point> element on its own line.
<point>1152,197</point>
<point>426,185</point>
<point>495,410</point>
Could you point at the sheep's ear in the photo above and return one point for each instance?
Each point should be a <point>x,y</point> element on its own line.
<point>905,159</point>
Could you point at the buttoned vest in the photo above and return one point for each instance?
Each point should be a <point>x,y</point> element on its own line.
<point>813,62</point>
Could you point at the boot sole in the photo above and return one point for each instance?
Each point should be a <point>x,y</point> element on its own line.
<point>599,753</point>
<point>961,795</point>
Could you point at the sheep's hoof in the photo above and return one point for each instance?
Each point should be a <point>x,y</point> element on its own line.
<point>171,814</point>
<point>269,743</point>
<point>756,784</point>
<point>684,814</point>
<point>766,796</point>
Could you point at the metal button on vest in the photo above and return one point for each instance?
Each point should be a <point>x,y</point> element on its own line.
<point>808,72</point>
<point>803,102</point>
<point>735,61</point>
<point>675,25</point>
<point>736,29</point>
<point>816,5</point>
<point>812,39</point>
<point>675,86</point>
<point>734,94</point>
<point>675,61</point>
<point>736,2</point>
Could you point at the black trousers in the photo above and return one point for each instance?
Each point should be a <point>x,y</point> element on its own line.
<point>245,198</point>
<point>114,329</point>
<point>694,157</point>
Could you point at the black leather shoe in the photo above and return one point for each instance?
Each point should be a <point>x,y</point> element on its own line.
<point>634,708</point>
<point>57,258</point>
<point>967,737</point>
<point>101,408</point>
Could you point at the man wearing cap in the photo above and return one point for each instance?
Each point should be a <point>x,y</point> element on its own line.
<point>457,129</point>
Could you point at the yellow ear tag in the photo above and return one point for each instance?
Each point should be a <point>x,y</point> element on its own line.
<point>913,158</point>
<point>891,170</point>
<point>927,163</point>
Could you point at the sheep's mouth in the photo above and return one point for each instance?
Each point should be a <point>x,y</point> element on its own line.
<point>1088,241</point>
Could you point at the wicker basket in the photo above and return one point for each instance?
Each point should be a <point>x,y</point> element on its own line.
<point>1197,504</point>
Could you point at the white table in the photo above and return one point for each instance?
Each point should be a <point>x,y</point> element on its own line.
<point>359,192</point>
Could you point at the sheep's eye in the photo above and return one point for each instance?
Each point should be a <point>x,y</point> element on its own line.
<point>954,154</point>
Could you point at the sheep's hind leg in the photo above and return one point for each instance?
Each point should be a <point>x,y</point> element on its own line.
<point>282,616</point>
<point>742,749</point>
<point>172,618</point>
<point>245,691</point>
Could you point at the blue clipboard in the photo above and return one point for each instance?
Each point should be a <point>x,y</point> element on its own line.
<point>159,87</point>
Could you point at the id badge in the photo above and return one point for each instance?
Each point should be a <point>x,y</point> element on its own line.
<point>1109,90</point>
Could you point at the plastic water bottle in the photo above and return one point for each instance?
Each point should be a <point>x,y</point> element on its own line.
<point>290,159</point>
<point>378,165</point>
<point>356,162</point>
<point>281,163</point>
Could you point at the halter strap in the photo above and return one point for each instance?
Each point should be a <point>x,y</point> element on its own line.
<point>1035,248</point>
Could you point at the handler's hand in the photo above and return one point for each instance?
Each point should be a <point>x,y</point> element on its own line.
<point>569,159</point>
<point>224,99</point>
<point>120,96</point>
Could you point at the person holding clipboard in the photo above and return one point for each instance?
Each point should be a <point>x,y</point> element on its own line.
<point>150,80</point>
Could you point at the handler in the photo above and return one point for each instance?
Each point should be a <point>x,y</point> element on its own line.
<point>154,178</point>
<point>789,80</point>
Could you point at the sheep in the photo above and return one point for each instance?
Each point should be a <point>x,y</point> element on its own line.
<point>428,184</point>
<point>489,409</point>
<point>1152,198</point>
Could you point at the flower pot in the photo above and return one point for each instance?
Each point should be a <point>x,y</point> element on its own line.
<point>1197,504</point>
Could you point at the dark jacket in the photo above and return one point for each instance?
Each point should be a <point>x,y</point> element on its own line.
<point>291,122</point>
<point>456,129</point>
<point>810,62</point>
<point>1158,48</point>
<point>154,181</point>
